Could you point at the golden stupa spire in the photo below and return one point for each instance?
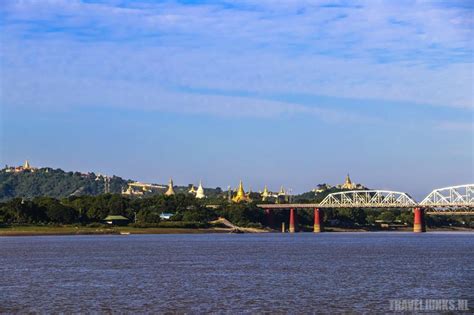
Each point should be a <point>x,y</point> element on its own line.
<point>240,190</point>
<point>240,194</point>
<point>27,165</point>
<point>348,183</point>
<point>170,190</point>
<point>348,180</point>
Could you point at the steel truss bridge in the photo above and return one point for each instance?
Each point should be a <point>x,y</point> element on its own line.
<point>450,200</point>
<point>457,200</point>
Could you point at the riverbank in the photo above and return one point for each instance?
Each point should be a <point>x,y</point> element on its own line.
<point>79,230</point>
<point>75,230</point>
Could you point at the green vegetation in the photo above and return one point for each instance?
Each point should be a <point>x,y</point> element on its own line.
<point>191,213</point>
<point>188,211</point>
<point>54,183</point>
<point>49,197</point>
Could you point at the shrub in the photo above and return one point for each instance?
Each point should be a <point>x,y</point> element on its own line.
<point>95,225</point>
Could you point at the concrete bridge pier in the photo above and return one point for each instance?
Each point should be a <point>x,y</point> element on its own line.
<point>317,221</point>
<point>292,221</point>
<point>419,220</point>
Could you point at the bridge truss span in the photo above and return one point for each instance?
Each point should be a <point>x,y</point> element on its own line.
<point>454,199</point>
<point>368,199</point>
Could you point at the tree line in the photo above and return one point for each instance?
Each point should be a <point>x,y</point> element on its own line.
<point>93,209</point>
<point>187,209</point>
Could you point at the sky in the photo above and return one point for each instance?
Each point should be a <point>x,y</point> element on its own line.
<point>292,93</point>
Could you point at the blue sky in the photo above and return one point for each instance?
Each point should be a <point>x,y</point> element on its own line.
<point>291,93</point>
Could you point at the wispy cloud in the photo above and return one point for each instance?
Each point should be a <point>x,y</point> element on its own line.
<point>136,54</point>
<point>457,126</point>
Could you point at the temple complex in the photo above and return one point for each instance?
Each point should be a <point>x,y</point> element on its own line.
<point>131,192</point>
<point>241,196</point>
<point>170,191</point>
<point>22,168</point>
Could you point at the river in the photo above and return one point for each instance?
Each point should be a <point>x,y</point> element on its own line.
<point>233,273</point>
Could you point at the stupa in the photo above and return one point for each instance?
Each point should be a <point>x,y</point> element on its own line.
<point>241,196</point>
<point>170,191</point>
<point>348,183</point>
<point>200,191</point>
<point>265,194</point>
<point>27,165</point>
<point>282,191</point>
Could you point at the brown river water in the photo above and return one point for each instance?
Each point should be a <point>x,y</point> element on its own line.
<point>234,273</point>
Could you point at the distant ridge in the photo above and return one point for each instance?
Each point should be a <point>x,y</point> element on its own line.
<point>55,183</point>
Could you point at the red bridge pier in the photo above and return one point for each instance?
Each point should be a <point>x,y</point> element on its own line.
<point>317,221</point>
<point>292,221</point>
<point>419,220</point>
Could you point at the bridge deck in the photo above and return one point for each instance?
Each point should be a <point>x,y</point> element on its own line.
<point>435,209</point>
<point>320,206</point>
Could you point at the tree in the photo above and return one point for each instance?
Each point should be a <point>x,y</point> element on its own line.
<point>387,216</point>
<point>149,215</point>
<point>200,214</point>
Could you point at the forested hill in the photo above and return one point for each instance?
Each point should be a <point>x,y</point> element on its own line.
<point>54,183</point>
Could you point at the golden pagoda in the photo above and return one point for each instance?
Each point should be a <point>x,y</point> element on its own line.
<point>27,165</point>
<point>265,194</point>
<point>170,191</point>
<point>348,183</point>
<point>241,196</point>
<point>192,190</point>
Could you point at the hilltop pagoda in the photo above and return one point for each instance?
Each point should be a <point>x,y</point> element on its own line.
<point>27,165</point>
<point>348,183</point>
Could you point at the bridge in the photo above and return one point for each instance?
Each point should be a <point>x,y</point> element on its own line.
<point>454,200</point>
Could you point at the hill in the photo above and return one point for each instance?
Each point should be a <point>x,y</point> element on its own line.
<point>29,182</point>
<point>54,183</point>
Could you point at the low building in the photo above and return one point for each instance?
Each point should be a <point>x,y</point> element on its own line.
<point>116,220</point>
